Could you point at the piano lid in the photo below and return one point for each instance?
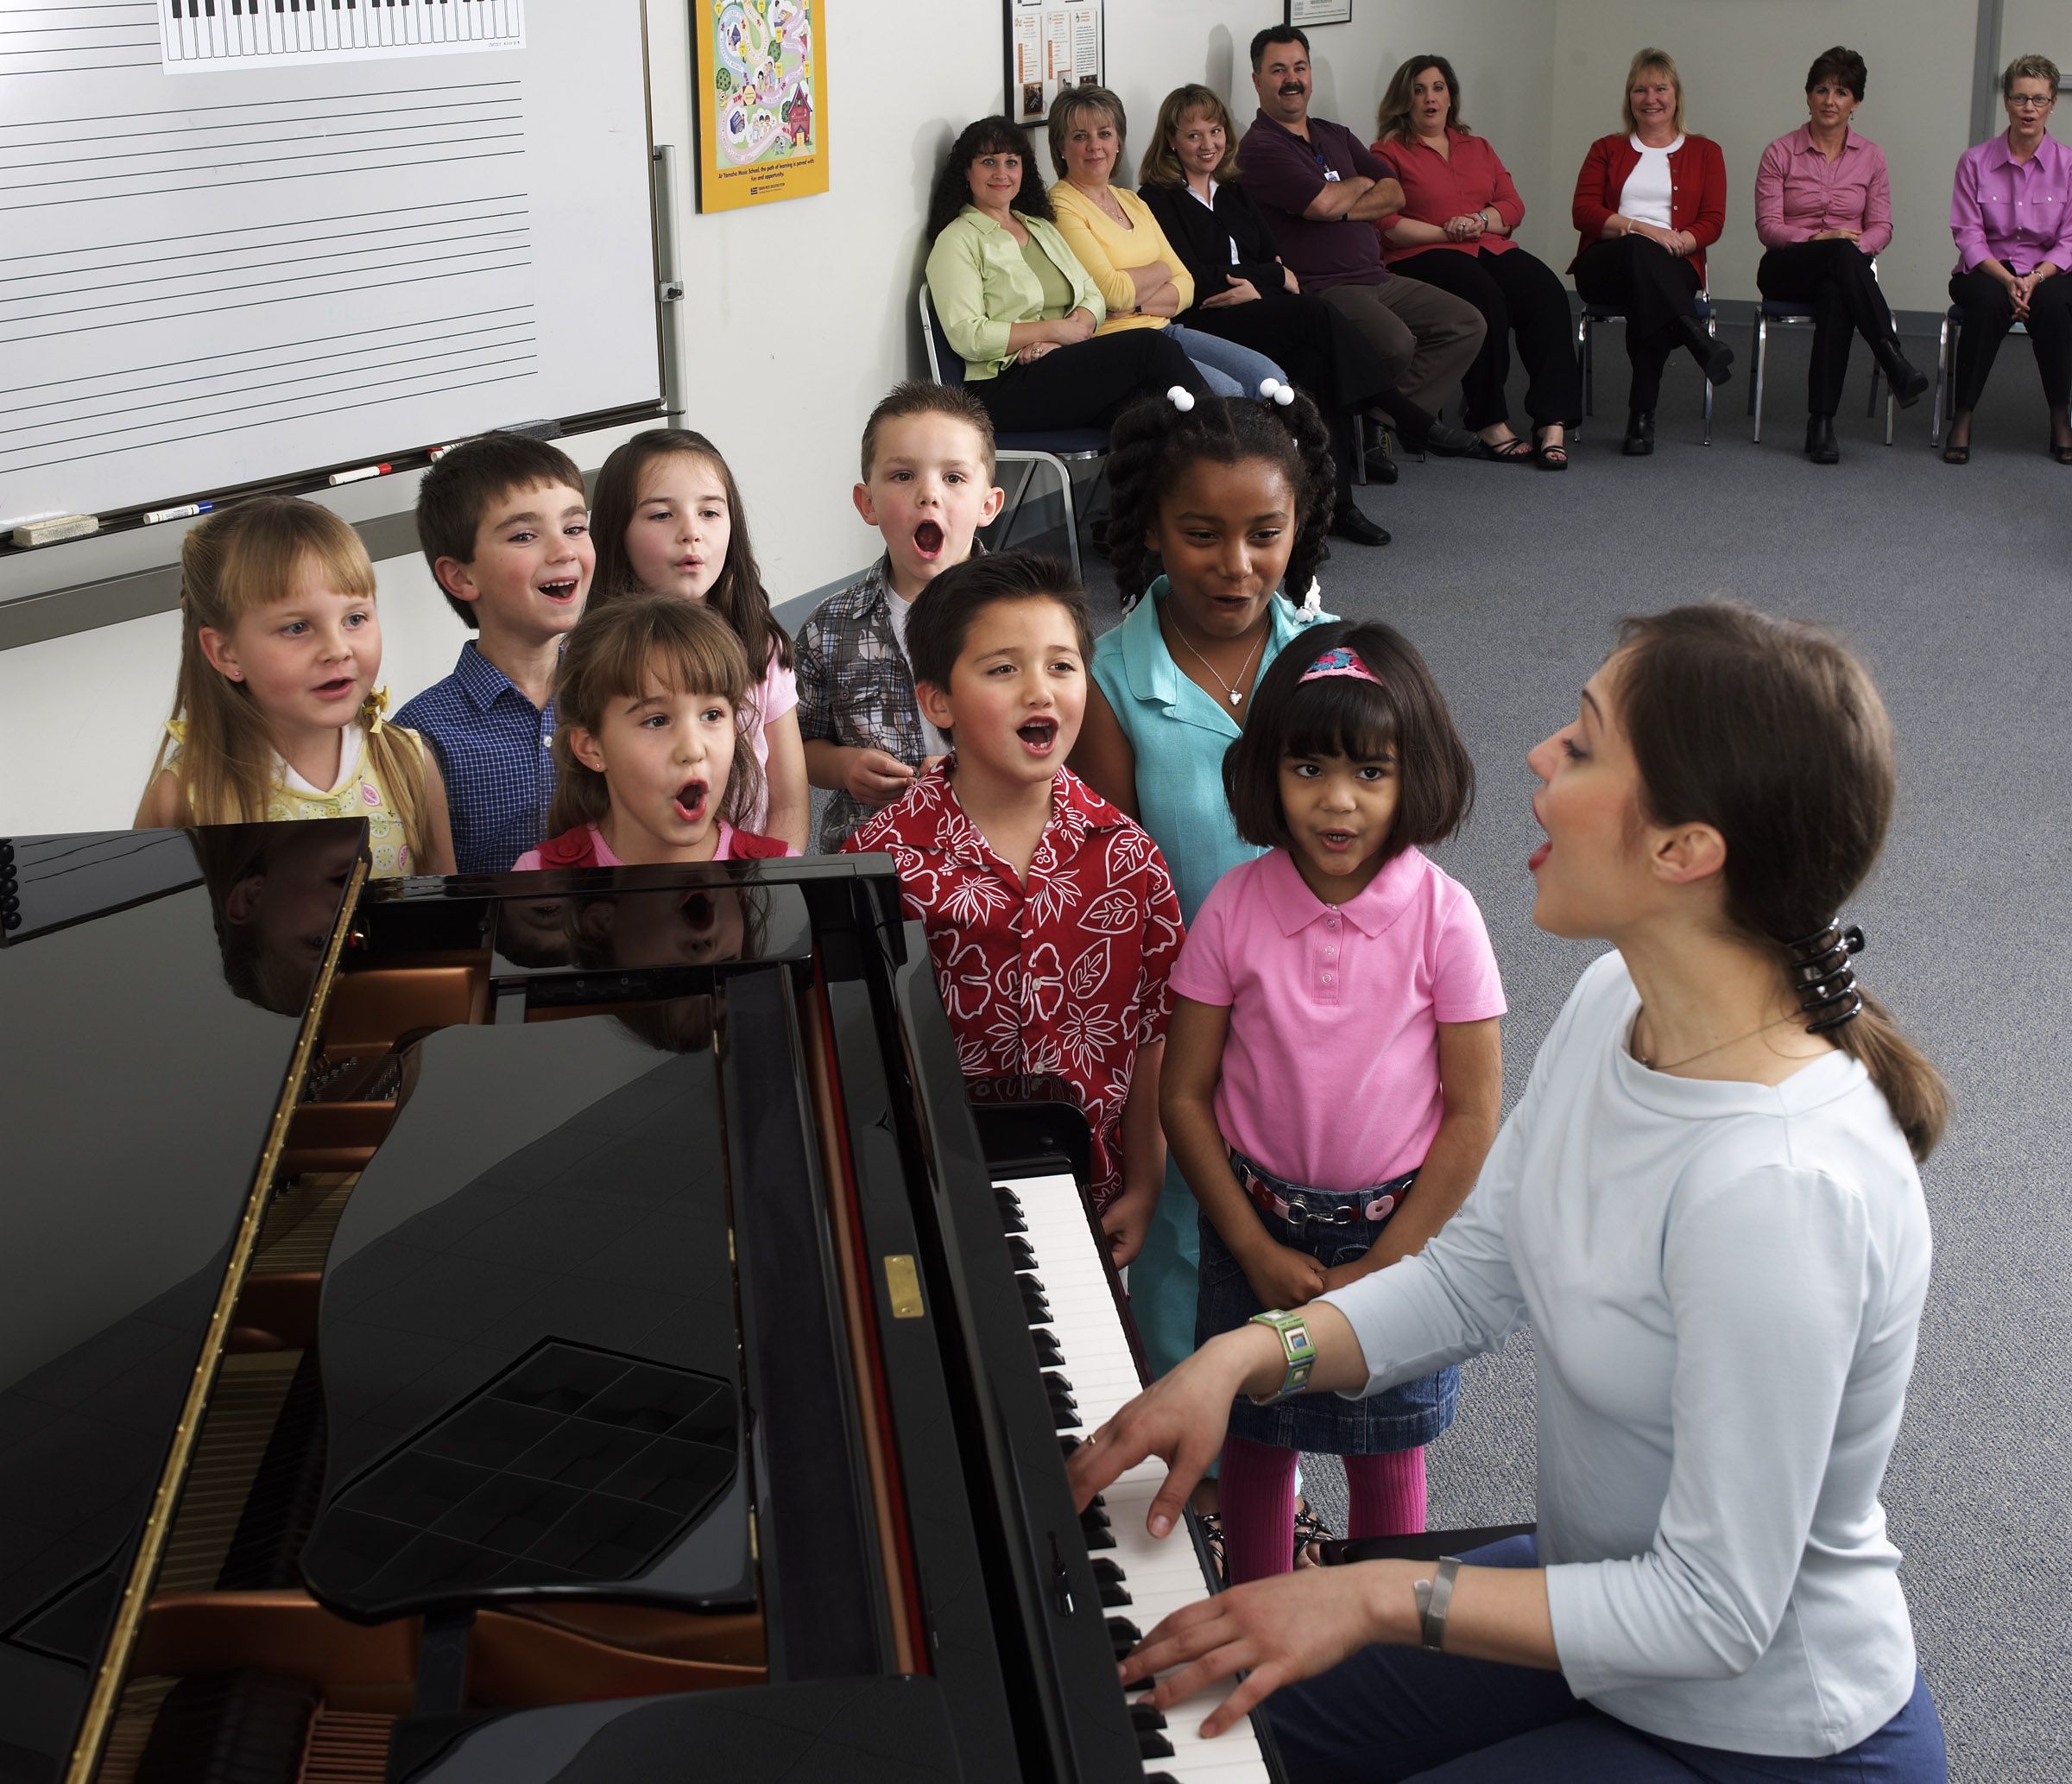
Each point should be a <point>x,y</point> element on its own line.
<point>151,1002</point>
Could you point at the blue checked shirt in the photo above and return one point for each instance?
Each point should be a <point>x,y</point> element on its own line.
<point>493,750</point>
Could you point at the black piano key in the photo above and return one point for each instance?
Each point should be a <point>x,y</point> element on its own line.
<point>1160,1778</point>
<point>1114,1594</point>
<point>1047,1347</point>
<point>1154,1745</point>
<point>1144,1715</point>
<point>1106,1571</point>
<point>1010,1210</point>
<point>1020,1253</point>
<point>1123,1634</point>
<point>1033,1301</point>
<point>1052,1379</point>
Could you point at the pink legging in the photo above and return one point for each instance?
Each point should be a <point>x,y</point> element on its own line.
<point>1385,1494</point>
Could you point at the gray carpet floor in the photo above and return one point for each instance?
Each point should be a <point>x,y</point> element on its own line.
<point>1955,585</point>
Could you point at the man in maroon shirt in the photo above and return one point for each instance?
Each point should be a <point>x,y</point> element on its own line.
<point>1321,189</point>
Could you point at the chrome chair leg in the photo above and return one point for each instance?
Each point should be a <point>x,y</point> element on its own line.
<point>1935,417</point>
<point>1755,384</point>
<point>1071,516</point>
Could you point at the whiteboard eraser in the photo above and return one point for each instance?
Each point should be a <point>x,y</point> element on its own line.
<point>53,528</point>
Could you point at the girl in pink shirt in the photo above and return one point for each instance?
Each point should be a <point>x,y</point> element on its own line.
<point>1333,1043</point>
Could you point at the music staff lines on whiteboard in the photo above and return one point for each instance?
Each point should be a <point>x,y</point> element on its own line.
<point>78,40</point>
<point>441,326</point>
<point>352,99</point>
<point>222,34</point>
<point>110,266</point>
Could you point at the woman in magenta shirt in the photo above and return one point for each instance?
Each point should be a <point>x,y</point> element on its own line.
<point>1824,211</point>
<point>1459,209</point>
<point>2011,214</point>
<point>1648,204</point>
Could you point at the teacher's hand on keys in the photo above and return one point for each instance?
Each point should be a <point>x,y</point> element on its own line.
<point>1181,1418</point>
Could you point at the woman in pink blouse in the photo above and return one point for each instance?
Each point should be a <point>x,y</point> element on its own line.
<point>1824,211</point>
<point>1459,210</point>
<point>2011,214</point>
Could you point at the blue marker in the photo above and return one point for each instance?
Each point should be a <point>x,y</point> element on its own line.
<point>186,511</point>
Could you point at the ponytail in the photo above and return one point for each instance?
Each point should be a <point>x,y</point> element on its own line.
<point>1912,1088</point>
<point>1153,443</point>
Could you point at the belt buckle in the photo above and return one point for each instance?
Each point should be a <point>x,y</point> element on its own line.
<point>1303,1214</point>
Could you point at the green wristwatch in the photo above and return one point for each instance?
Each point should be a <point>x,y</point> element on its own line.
<point>1294,1330</point>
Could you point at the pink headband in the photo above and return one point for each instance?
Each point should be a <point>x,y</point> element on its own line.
<point>1341,660</point>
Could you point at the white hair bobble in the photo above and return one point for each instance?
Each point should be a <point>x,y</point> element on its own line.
<point>1180,397</point>
<point>1273,390</point>
<point>1312,603</point>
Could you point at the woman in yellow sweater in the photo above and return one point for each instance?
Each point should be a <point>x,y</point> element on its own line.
<point>1112,233</point>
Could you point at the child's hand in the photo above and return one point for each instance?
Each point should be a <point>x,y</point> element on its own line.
<point>1281,1276</point>
<point>1126,1221</point>
<point>875,777</point>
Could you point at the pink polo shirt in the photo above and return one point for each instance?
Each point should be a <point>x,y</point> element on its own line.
<point>1331,1069</point>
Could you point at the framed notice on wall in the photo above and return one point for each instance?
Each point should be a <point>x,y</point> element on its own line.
<point>1051,45</point>
<point>1306,13</point>
<point>761,88</point>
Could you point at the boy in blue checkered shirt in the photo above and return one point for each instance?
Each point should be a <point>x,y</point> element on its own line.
<point>505,526</point>
<point>927,488</point>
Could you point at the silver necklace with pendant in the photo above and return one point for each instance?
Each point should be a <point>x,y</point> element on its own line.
<point>1236,693</point>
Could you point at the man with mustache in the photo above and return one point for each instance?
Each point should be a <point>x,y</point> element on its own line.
<point>1322,191</point>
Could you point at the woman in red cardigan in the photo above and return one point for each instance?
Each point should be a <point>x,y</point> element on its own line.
<point>1648,204</point>
<point>1460,209</point>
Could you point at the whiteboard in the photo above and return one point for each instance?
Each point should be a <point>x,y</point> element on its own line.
<point>253,241</point>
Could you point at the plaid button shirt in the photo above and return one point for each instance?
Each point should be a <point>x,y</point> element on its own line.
<point>493,746</point>
<point>855,689</point>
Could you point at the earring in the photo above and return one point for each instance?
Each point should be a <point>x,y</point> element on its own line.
<point>237,674</point>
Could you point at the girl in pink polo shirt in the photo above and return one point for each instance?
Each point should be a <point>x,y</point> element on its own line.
<point>1333,1048</point>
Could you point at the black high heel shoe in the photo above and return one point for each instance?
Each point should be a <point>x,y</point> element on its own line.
<point>1820,440</point>
<point>1639,432</point>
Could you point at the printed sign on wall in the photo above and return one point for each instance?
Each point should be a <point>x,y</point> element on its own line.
<point>761,101</point>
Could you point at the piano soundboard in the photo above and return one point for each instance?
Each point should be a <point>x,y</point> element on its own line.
<point>217,34</point>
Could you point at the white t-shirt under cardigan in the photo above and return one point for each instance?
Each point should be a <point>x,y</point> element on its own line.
<point>1647,193</point>
<point>1724,1282</point>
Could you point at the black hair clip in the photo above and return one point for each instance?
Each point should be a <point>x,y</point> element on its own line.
<point>1818,965</point>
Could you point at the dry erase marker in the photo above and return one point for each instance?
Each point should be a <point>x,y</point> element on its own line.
<point>187,510</point>
<point>359,476</point>
<point>438,453</point>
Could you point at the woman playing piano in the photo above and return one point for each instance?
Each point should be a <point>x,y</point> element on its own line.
<point>1707,1205</point>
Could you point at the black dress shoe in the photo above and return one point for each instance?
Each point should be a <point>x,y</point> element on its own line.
<point>1639,432</point>
<point>1713,355</point>
<point>1349,523</point>
<point>1910,384</point>
<point>1381,468</point>
<point>1820,440</point>
<point>1446,441</point>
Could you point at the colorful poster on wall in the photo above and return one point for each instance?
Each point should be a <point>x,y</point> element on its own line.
<point>761,101</point>
<point>1051,45</point>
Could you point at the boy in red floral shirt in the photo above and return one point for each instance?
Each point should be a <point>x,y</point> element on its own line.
<point>1050,916</point>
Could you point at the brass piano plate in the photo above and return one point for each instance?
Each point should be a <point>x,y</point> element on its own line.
<point>904,1282</point>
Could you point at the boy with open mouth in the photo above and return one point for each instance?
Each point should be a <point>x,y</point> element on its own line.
<point>1050,917</point>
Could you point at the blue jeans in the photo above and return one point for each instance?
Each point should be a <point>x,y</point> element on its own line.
<point>1231,370</point>
<point>1396,1715</point>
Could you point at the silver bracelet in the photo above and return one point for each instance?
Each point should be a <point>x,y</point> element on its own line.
<point>1434,1596</point>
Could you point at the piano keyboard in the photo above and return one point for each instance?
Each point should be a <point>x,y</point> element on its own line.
<point>224,32</point>
<point>1089,1372</point>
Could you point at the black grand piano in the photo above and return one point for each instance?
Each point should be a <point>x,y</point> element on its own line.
<point>554,1327</point>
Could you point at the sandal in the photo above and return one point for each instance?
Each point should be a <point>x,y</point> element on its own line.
<point>1310,1529</point>
<point>1551,455</point>
<point>1513,451</point>
<point>1211,1526</point>
<point>1956,455</point>
<point>2062,454</point>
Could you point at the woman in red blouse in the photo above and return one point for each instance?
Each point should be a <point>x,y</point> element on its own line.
<point>1648,204</point>
<point>1459,210</point>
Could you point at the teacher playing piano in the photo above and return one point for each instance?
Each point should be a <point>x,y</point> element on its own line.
<point>1705,1204</point>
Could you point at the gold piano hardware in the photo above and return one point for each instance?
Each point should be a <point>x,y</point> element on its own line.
<point>904,1283</point>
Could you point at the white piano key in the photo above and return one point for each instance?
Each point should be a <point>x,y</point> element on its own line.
<point>1161,1577</point>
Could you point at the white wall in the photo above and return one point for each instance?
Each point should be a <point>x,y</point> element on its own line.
<point>2039,28</point>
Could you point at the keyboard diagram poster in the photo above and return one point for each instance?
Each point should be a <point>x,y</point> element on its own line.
<point>761,101</point>
<point>321,240</point>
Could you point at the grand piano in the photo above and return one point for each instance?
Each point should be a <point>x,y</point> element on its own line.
<point>563,1327</point>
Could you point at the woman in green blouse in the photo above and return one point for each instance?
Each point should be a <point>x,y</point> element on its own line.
<point>1019,309</point>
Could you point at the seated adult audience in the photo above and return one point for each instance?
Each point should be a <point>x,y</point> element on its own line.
<point>1707,1206</point>
<point>1823,212</point>
<point>2011,214</point>
<point>1648,203</point>
<point>1460,209</point>
<point>1320,190</point>
<point>1015,305</point>
<point>1243,292</point>
<point>1113,236</point>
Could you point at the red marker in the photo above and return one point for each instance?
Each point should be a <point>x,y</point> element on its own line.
<point>359,476</point>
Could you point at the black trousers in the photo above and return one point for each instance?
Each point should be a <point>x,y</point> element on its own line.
<point>1087,384</point>
<point>1320,349</point>
<point>1518,294</point>
<point>1834,280</point>
<point>1989,314</point>
<point>1654,289</point>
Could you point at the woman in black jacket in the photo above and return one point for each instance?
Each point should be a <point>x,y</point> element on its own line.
<point>1243,293</point>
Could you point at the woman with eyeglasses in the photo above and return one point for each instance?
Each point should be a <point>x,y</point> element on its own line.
<point>2011,215</point>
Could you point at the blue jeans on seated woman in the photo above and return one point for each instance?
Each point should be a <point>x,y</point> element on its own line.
<point>1401,1716</point>
<point>1231,370</point>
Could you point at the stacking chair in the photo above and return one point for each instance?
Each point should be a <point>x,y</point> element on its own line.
<point>1946,369</point>
<point>1781,312</point>
<point>1426,1545</point>
<point>1058,449</point>
<point>1585,353</point>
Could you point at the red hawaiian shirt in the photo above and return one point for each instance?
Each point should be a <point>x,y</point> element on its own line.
<point>1064,976</point>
